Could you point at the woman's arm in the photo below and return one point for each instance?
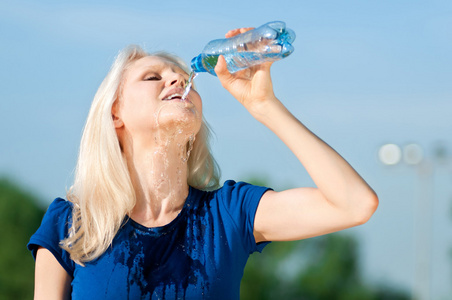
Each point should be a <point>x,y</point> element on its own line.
<point>342,198</point>
<point>51,279</point>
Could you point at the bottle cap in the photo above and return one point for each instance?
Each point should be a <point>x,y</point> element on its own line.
<point>196,64</point>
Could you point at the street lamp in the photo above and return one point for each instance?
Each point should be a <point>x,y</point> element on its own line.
<point>390,154</point>
<point>412,154</point>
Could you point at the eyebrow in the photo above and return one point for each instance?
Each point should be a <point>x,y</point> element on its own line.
<point>160,66</point>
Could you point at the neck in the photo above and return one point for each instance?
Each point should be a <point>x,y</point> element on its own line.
<point>159,177</point>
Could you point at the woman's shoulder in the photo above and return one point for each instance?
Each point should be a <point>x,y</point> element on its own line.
<point>60,208</point>
<point>54,228</point>
<point>240,188</point>
<point>60,204</point>
<point>230,185</point>
<point>56,221</point>
<point>58,212</point>
<point>233,195</point>
<point>236,194</point>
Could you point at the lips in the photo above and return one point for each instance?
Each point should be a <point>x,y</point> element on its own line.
<point>174,94</point>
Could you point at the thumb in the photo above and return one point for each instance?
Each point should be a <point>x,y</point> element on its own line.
<point>222,72</point>
<point>221,67</point>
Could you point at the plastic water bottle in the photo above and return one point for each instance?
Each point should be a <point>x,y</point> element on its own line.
<point>269,42</point>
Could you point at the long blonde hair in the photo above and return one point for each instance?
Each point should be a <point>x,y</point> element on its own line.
<point>102,193</point>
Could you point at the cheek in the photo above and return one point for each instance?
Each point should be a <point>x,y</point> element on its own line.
<point>137,113</point>
<point>197,102</point>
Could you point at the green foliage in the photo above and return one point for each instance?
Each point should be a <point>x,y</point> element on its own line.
<point>20,216</point>
<point>321,268</point>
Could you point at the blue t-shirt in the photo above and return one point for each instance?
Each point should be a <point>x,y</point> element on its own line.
<point>201,254</point>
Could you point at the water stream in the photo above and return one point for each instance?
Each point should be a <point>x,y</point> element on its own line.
<point>189,83</point>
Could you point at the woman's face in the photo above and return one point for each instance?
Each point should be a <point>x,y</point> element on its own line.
<point>151,100</point>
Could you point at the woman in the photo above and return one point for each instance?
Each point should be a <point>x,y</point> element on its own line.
<point>145,217</point>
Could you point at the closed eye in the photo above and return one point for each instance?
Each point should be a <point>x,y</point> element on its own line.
<point>153,77</point>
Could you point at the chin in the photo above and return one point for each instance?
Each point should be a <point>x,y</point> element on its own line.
<point>179,119</point>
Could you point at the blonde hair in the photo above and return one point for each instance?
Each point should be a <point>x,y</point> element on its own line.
<point>102,193</point>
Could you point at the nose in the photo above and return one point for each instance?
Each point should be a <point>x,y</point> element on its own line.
<point>176,79</point>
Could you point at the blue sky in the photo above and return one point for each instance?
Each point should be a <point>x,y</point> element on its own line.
<point>364,73</point>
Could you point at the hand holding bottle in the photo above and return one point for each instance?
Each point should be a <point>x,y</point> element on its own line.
<point>252,86</point>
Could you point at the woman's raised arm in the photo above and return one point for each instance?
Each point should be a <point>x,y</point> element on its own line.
<point>341,199</point>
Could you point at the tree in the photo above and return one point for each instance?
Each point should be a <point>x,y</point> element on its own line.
<point>321,268</point>
<point>20,216</point>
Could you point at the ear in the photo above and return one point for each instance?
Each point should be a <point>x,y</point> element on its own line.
<point>117,121</point>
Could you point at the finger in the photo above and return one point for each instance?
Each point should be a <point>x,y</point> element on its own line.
<point>223,73</point>
<point>232,33</point>
<point>237,31</point>
<point>266,65</point>
<point>245,73</point>
<point>245,29</point>
<point>221,68</point>
<point>248,73</point>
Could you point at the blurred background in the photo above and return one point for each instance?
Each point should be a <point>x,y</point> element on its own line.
<point>372,78</point>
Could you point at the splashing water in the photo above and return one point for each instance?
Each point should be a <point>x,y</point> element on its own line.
<point>191,140</point>
<point>189,83</point>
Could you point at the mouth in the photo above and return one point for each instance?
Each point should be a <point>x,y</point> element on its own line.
<point>175,94</point>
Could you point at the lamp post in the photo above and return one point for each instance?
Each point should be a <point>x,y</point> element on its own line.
<point>413,155</point>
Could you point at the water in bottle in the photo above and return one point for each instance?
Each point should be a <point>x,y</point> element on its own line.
<point>269,42</point>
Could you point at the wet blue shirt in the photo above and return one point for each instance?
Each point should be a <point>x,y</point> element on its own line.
<point>201,254</point>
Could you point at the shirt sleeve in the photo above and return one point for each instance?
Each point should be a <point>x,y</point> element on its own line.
<point>241,201</point>
<point>54,228</point>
